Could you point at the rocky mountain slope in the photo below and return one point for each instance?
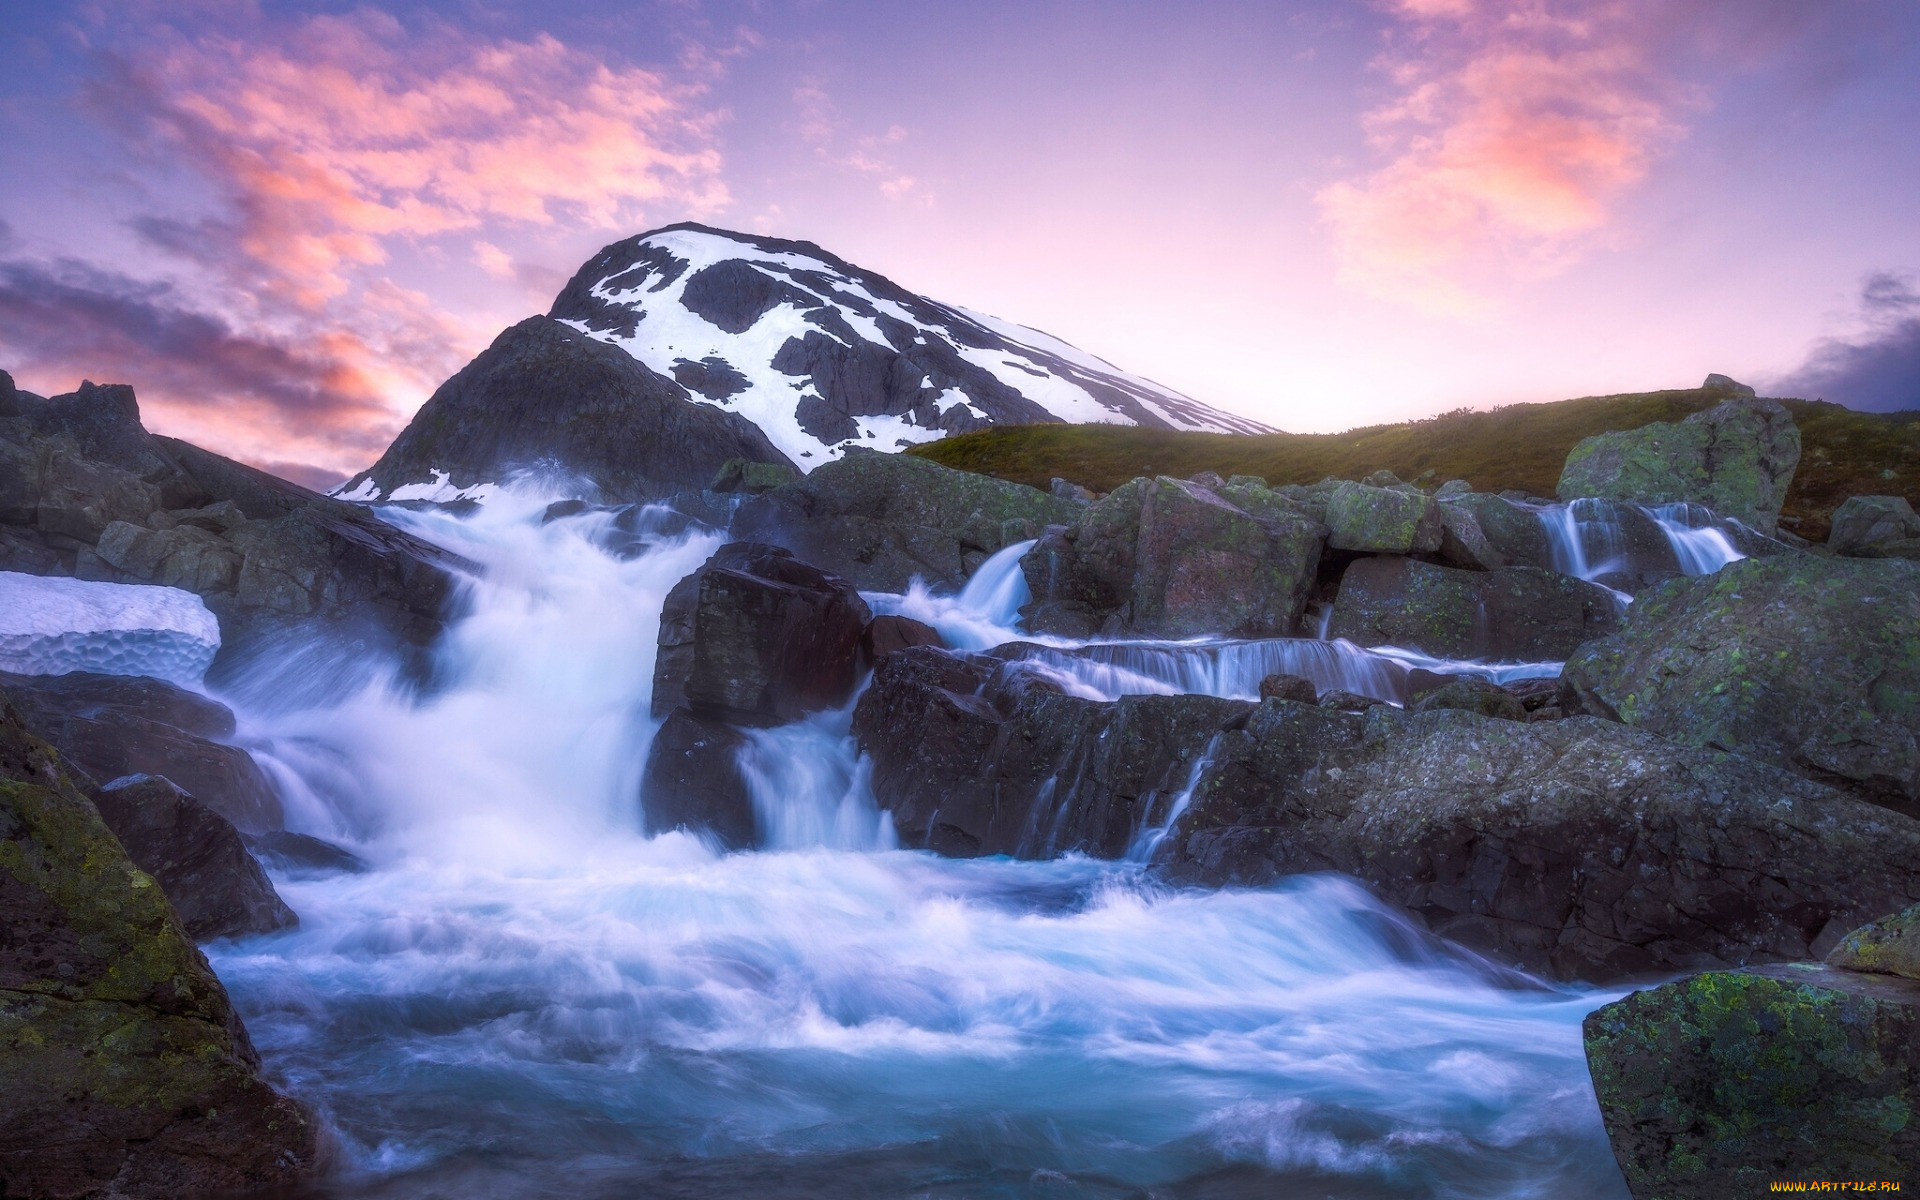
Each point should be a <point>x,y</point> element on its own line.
<point>738,346</point>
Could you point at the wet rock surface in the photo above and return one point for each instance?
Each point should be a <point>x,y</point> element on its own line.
<point>693,781</point>
<point>1173,558</point>
<point>123,1069</point>
<point>758,637</point>
<point>1578,848</point>
<point>1808,663</point>
<point>1720,1084</point>
<point>1514,614</point>
<point>196,856</point>
<point>883,520</point>
<point>110,726</point>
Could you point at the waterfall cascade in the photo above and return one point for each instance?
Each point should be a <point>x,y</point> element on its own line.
<point>1602,540</point>
<point>524,996</point>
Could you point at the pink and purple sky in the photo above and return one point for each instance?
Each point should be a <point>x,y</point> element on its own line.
<point>285,223</point>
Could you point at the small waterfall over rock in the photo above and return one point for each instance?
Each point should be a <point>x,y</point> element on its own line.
<point>1619,544</point>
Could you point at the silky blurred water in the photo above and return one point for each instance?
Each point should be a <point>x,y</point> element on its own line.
<point>524,997</point>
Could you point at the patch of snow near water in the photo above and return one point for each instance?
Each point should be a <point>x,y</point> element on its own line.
<point>50,625</point>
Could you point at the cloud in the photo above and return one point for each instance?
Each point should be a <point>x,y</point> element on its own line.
<point>818,124</point>
<point>1877,370</point>
<point>1511,131</point>
<point>331,146</point>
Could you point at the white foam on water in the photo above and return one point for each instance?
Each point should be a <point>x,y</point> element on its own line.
<point>524,996</point>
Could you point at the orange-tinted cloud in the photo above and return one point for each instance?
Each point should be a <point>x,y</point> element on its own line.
<point>1513,128</point>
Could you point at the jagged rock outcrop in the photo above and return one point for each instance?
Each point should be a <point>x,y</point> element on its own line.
<point>1513,614</point>
<point>692,780</point>
<point>1808,663</point>
<point>881,520</point>
<point>196,856</point>
<point>1174,558</point>
<point>90,492</point>
<point>1579,848</point>
<point>1737,458</point>
<point>1875,527</point>
<point>974,754</point>
<point>547,396</point>
<point>123,1068</point>
<point>110,726</point>
<point>1718,1085</point>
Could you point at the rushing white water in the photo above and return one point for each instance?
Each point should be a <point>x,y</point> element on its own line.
<point>525,997</point>
<point>1596,539</point>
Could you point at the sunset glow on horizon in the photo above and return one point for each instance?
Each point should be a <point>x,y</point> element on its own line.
<point>285,224</point>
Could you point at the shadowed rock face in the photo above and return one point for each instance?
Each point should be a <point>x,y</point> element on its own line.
<point>1580,847</point>
<point>1717,1085</point>
<point>693,781</point>
<point>1875,527</point>
<point>111,726</point>
<point>1807,663</point>
<point>123,1069</point>
<point>547,395</point>
<point>1736,458</point>
<point>1513,614</point>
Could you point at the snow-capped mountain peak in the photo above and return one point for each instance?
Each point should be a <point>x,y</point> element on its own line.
<point>822,355</point>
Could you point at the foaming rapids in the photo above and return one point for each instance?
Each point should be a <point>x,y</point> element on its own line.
<point>523,996</point>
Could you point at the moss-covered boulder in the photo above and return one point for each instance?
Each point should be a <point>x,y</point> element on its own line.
<point>123,1068</point>
<point>1382,520</point>
<point>1737,458</point>
<point>1875,527</point>
<point>1516,613</point>
<point>882,520</point>
<point>1809,663</point>
<point>1719,1084</point>
<point>1174,558</point>
<point>1889,946</point>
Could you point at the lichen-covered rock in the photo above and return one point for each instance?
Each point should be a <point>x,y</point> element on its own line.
<point>1737,458</point>
<point>1811,664</point>
<point>1513,530</point>
<point>1470,694</point>
<point>123,1069</point>
<point>1172,558</point>
<point>1580,848</point>
<point>977,754</point>
<point>1383,520</point>
<point>757,637</point>
<point>1515,614</point>
<point>1889,946</point>
<point>1875,527</point>
<point>110,726</point>
<point>882,520</point>
<point>196,856</point>
<point>1717,1085</point>
<point>745,475</point>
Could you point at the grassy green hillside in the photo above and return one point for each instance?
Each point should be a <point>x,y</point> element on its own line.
<point>1844,453</point>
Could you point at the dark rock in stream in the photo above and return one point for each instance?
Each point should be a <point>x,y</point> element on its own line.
<point>114,725</point>
<point>124,1071</point>
<point>1580,848</point>
<point>757,637</point>
<point>976,755</point>
<point>196,856</point>
<point>693,781</point>
<point>1515,614</point>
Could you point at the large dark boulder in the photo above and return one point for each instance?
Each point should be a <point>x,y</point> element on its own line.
<point>1717,1086</point>
<point>1513,614</point>
<point>1736,458</point>
<point>545,395</point>
<point>1173,558</point>
<point>1580,848</point>
<point>693,781</point>
<point>973,754</point>
<point>197,857</point>
<point>757,637</point>
<point>1808,663</point>
<point>882,520</point>
<point>114,725</point>
<point>123,1068</point>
